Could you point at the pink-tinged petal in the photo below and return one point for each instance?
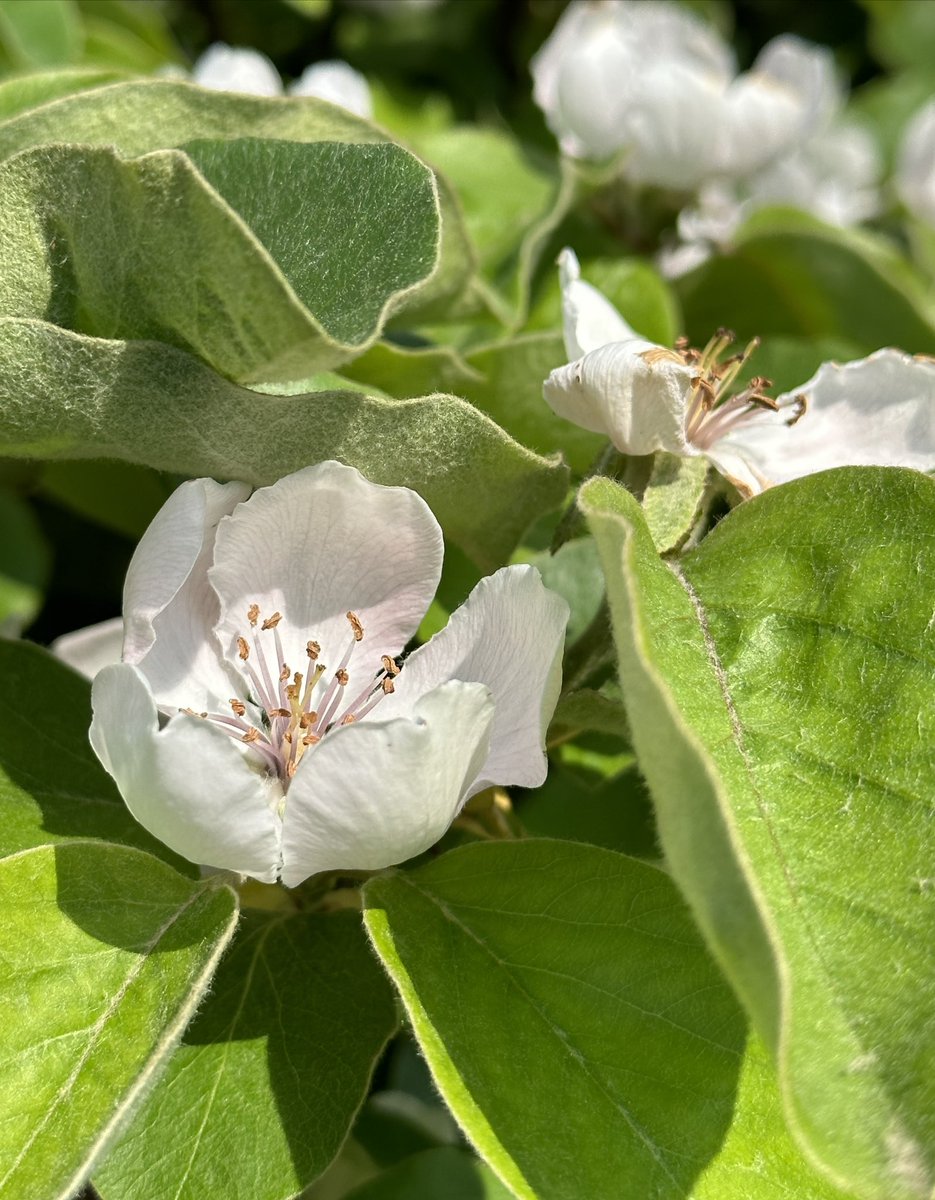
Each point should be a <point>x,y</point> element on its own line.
<point>189,784</point>
<point>169,608</point>
<point>590,320</point>
<point>90,649</point>
<point>635,392</point>
<point>877,411</point>
<point>379,792</point>
<point>508,635</point>
<point>321,543</point>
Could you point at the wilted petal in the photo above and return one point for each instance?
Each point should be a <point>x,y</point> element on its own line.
<point>877,411</point>
<point>169,608</point>
<point>226,68</point>
<point>915,170</point>
<point>189,784</point>
<point>377,793</point>
<point>320,543</point>
<point>337,82</point>
<point>90,649</point>
<point>635,392</point>
<point>590,320</point>
<point>508,635</point>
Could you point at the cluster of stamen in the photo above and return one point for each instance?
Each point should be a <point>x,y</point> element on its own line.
<point>712,410</point>
<point>295,709</point>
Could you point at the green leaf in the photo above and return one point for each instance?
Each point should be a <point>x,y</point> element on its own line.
<point>784,684</point>
<point>52,787</point>
<point>23,92</point>
<point>147,403</point>
<point>271,1073</point>
<point>106,953</point>
<point>119,496</point>
<point>673,498</point>
<point>586,709</point>
<point>226,250</point>
<point>793,276</point>
<point>584,967</point>
<point>574,572</point>
<point>24,565</point>
<point>41,33</point>
<point>758,1159</point>
<point>143,116</point>
<point>446,1172</point>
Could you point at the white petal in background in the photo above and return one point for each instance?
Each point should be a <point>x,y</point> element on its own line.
<point>337,82</point>
<point>915,169</point>
<point>320,543</point>
<point>89,650</point>
<point>508,635</point>
<point>377,793</point>
<point>226,68</point>
<point>189,784</point>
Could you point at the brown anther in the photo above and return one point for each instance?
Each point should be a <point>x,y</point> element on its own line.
<point>799,409</point>
<point>284,673</point>
<point>287,736</point>
<point>763,401</point>
<point>253,613</point>
<point>342,677</point>
<point>726,335</point>
<point>349,719</point>
<point>272,622</point>
<point>243,649</point>
<point>387,685</point>
<point>189,712</point>
<point>238,706</point>
<point>691,355</point>
<point>291,766</point>
<point>251,735</point>
<point>709,393</point>
<point>312,649</point>
<point>682,344</point>
<point>292,692</point>
<point>311,739</point>
<point>389,665</point>
<point>355,625</point>
<point>280,712</point>
<point>760,383</point>
<point>308,718</point>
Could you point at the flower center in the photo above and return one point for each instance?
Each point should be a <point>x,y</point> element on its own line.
<point>282,713</point>
<point>712,412</point>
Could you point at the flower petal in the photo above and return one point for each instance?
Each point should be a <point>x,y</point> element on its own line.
<point>88,650</point>
<point>320,543</point>
<point>509,635</point>
<point>169,607</point>
<point>377,793</point>
<point>809,73</point>
<point>189,784</point>
<point>915,169</point>
<point>590,320</point>
<point>226,68</point>
<point>337,82</point>
<point>635,392</point>
<point>877,411</point>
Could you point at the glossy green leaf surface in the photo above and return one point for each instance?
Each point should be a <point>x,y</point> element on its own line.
<point>584,967</point>
<point>52,787</point>
<point>63,395</point>
<point>261,1094</point>
<point>779,687</point>
<point>106,953</point>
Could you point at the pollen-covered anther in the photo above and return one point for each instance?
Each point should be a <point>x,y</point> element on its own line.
<point>349,719</point>
<point>253,613</point>
<point>799,409</point>
<point>342,677</point>
<point>238,706</point>
<point>251,735</point>
<point>311,739</point>
<point>272,622</point>
<point>284,673</point>
<point>387,686</point>
<point>356,626</point>
<point>280,712</point>
<point>312,649</point>
<point>389,665</point>
<point>307,719</point>
<point>243,649</point>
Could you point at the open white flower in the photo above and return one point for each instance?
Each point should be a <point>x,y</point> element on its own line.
<point>241,69</point>
<point>652,79</point>
<point>878,411</point>
<point>268,627</point>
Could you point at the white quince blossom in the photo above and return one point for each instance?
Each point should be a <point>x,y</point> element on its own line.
<point>267,630</point>
<point>878,411</point>
<point>89,650</point>
<point>832,171</point>
<point>649,78</point>
<point>915,167</point>
<point>240,69</point>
